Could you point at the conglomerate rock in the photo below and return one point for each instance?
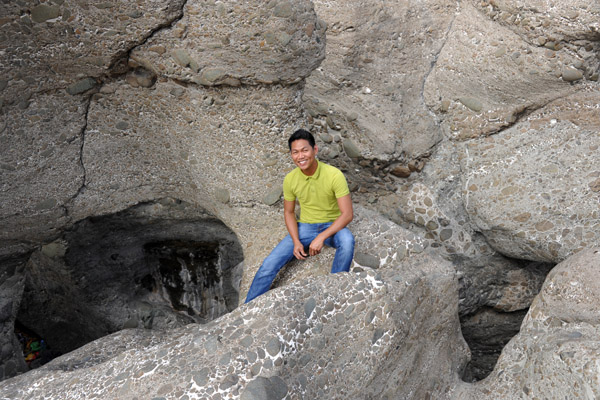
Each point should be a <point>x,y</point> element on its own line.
<point>234,43</point>
<point>64,44</point>
<point>531,190</point>
<point>172,106</point>
<point>392,333</point>
<point>555,355</point>
<point>369,88</point>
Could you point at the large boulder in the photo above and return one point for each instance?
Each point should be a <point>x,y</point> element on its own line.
<point>502,61</point>
<point>533,190</point>
<point>369,88</point>
<point>555,355</point>
<point>380,243</point>
<point>234,43</point>
<point>387,334</point>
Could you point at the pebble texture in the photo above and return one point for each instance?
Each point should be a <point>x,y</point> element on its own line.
<point>555,355</point>
<point>500,62</point>
<point>369,87</point>
<point>112,106</point>
<point>530,190</point>
<point>233,43</point>
<point>347,335</point>
<point>378,240</point>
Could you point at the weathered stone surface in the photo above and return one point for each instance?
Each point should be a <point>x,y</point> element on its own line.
<point>228,42</point>
<point>513,63</point>
<point>185,157</point>
<point>380,108</point>
<point>384,241</point>
<point>555,354</point>
<point>369,336</point>
<point>12,283</point>
<point>172,125</point>
<point>81,86</point>
<point>42,147</point>
<point>527,190</point>
<point>64,42</point>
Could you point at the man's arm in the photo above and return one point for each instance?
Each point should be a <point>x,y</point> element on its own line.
<point>289,215</point>
<point>345,205</point>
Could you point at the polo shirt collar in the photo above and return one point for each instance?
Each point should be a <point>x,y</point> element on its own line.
<point>316,174</point>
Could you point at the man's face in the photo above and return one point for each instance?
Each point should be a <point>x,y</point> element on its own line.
<point>303,155</point>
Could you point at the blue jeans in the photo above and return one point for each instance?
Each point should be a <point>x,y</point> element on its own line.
<point>342,241</point>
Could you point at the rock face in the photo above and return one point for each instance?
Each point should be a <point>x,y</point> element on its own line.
<point>350,335</point>
<point>555,354</point>
<point>233,44</point>
<point>560,160</point>
<point>143,150</point>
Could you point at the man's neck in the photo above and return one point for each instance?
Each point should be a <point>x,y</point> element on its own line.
<point>312,170</point>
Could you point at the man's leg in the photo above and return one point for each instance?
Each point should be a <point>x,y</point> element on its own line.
<point>343,242</point>
<point>281,255</point>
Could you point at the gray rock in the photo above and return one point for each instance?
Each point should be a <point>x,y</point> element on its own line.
<point>222,195</point>
<point>81,86</point>
<point>351,149</point>
<point>273,388</point>
<point>524,204</point>
<point>273,196</point>
<point>287,54</point>
<point>283,9</point>
<point>44,12</point>
<point>472,103</point>
<point>571,74</point>
<point>366,260</point>
<point>400,362</point>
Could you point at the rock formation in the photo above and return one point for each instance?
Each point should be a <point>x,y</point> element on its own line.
<point>340,336</point>
<point>143,149</point>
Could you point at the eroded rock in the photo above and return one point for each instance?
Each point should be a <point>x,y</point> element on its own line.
<point>528,192</point>
<point>228,43</point>
<point>363,337</point>
<point>562,324</point>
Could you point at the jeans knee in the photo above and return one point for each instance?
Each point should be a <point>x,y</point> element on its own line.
<point>346,240</point>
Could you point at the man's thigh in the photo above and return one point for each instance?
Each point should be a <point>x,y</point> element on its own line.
<point>342,238</point>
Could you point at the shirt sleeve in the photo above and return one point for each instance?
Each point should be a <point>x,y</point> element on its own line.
<point>288,193</point>
<point>340,186</point>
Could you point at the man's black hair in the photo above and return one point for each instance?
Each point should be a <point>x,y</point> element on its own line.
<point>302,134</point>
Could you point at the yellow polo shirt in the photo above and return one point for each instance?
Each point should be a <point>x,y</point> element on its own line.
<point>317,194</point>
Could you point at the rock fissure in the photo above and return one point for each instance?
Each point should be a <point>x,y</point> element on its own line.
<point>124,56</point>
<point>81,152</point>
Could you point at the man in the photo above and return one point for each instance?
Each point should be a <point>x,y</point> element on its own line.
<point>325,210</point>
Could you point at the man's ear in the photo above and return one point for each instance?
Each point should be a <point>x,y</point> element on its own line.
<point>316,149</point>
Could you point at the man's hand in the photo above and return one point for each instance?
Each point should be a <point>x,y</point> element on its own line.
<point>299,251</point>
<point>316,245</point>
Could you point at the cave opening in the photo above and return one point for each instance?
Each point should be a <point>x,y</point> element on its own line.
<point>188,275</point>
<point>493,301</point>
<point>151,266</point>
<point>486,333</point>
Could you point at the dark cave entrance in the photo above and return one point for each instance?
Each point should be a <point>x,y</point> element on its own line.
<point>153,266</point>
<point>493,301</point>
<point>487,332</point>
<point>188,275</point>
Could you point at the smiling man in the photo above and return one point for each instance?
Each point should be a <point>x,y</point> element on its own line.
<point>325,210</point>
